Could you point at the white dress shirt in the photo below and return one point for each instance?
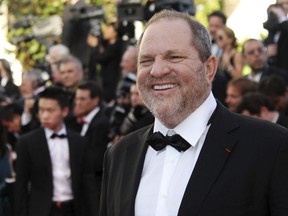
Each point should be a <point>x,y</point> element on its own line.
<point>61,172</point>
<point>87,119</point>
<point>166,173</point>
<point>256,78</point>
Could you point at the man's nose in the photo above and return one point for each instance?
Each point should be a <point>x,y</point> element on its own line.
<point>160,68</point>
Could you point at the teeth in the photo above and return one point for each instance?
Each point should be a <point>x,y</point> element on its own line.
<point>162,87</point>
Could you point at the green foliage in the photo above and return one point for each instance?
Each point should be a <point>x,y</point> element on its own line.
<point>205,7</point>
<point>30,52</point>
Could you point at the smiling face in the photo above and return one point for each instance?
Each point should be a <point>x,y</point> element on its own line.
<point>172,80</point>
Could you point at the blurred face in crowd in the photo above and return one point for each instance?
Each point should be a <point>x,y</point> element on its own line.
<point>129,61</point>
<point>135,97</point>
<point>254,54</point>
<point>223,39</point>
<point>109,33</point>
<point>214,24</point>
<point>172,79</point>
<point>13,125</point>
<point>51,114</point>
<point>233,97</point>
<point>83,103</point>
<point>70,74</point>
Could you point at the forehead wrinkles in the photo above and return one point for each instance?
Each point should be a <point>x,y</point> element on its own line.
<point>159,36</point>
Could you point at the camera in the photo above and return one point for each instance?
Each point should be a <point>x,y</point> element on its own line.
<point>130,11</point>
<point>94,15</point>
<point>87,12</point>
<point>40,28</point>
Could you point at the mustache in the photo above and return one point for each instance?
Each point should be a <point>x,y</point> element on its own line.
<point>171,78</point>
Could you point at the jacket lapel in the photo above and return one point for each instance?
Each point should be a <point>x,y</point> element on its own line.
<point>73,155</point>
<point>135,156</point>
<point>215,152</point>
<point>45,149</point>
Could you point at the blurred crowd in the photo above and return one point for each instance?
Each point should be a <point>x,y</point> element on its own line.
<point>103,100</point>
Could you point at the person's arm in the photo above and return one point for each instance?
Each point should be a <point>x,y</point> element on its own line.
<point>236,68</point>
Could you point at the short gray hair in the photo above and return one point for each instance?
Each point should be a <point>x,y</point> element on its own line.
<point>201,39</point>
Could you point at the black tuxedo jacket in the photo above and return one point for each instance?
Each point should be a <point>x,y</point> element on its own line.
<point>282,59</point>
<point>97,135</point>
<point>34,181</point>
<point>241,170</point>
<point>282,120</point>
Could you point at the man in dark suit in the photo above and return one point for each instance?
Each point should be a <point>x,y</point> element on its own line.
<point>217,163</point>
<point>53,167</point>
<point>88,108</point>
<point>255,56</point>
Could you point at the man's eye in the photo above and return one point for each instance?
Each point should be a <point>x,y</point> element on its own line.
<point>176,58</point>
<point>146,62</point>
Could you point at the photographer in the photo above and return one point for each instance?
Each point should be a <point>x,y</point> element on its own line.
<point>138,116</point>
<point>76,28</point>
<point>120,108</point>
<point>277,40</point>
<point>107,53</point>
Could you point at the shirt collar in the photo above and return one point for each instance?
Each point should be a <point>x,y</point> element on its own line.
<point>256,77</point>
<point>195,124</point>
<point>276,117</point>
<point>88,118</point>
<point>49,132</point>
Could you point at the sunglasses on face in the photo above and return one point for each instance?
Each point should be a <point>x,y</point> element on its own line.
<point>260,50</point>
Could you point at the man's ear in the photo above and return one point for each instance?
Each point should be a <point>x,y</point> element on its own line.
<point>97,100</point>
<point>211,65</point>
<point>263,110</point>
<point>65,111</point>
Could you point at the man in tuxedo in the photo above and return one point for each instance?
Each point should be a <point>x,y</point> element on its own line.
<point>53,167</point>
<point>217,163</point>
<point>95,126</point>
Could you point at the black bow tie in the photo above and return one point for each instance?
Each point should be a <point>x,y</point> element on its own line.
<point>61,136</point>
<point>158,142</point>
